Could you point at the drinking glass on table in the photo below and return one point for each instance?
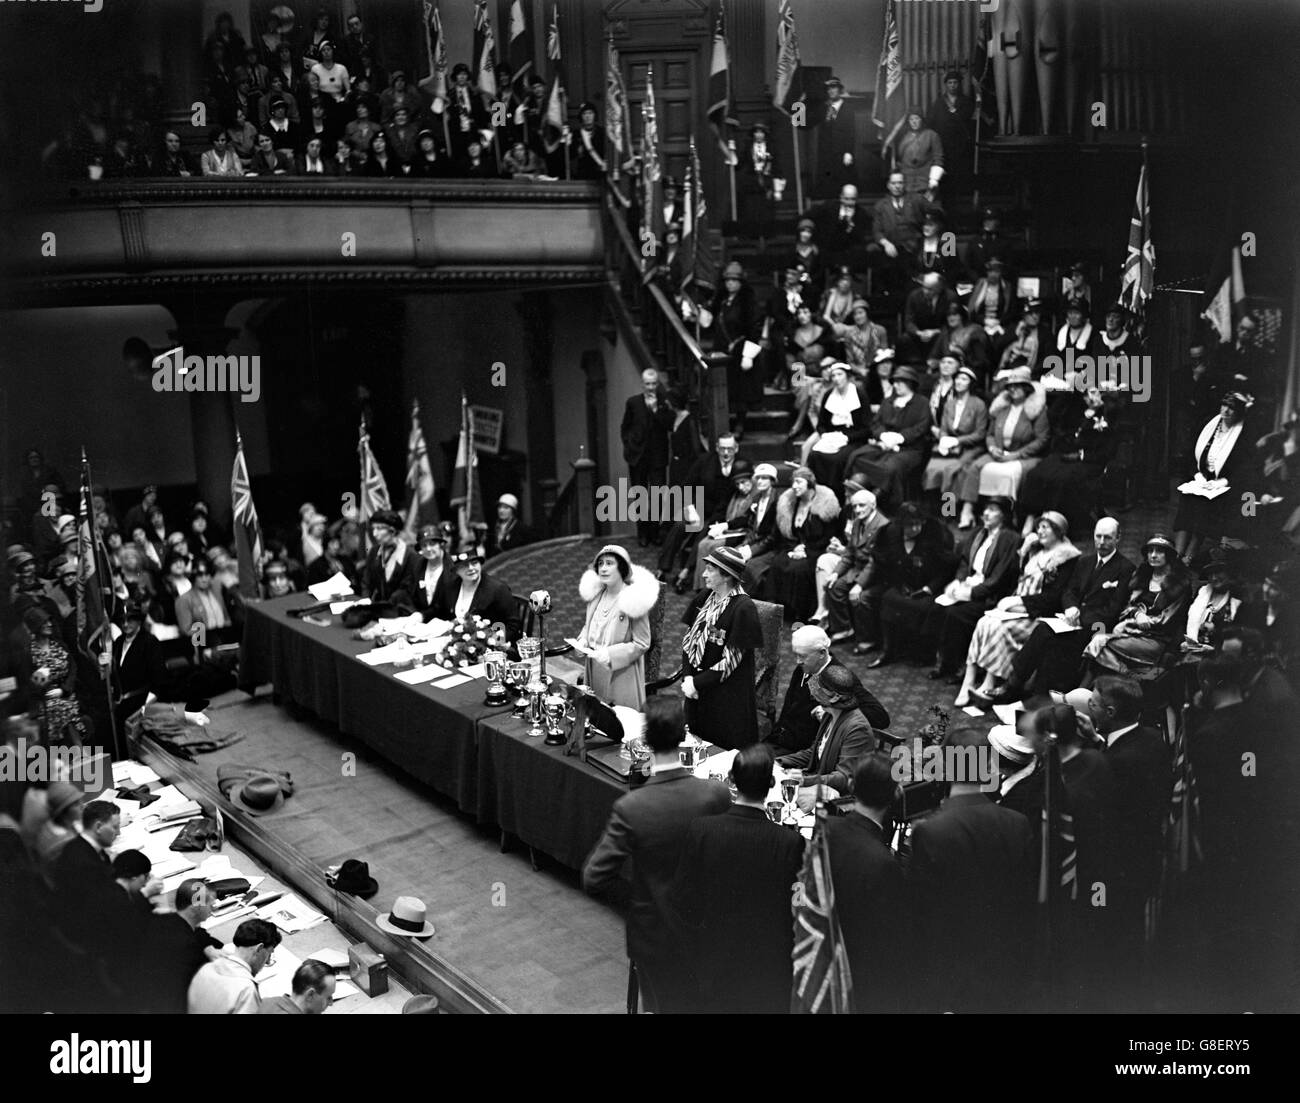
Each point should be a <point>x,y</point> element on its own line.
<point>791,780</point>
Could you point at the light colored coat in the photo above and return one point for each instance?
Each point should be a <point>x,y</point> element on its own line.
<point>626,633</point>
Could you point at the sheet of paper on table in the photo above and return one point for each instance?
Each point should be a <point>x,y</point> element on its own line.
<point>337,607</point>
<point>390,654</point>
<point>971,710</point>
<point>276,979</point>
<point>133,774</point>
<point>338,586</point>
<point>420,674</point>
<point>1007,713</point>
<point>452,682</point>
<point>477,670</point>
<point>328,955</point>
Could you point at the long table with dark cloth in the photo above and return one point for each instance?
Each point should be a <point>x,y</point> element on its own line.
<point>481,757</point>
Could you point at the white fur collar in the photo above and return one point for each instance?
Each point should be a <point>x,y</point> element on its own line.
<point>636,599</point>
<point>1034,405</point>
<point>824,506</point>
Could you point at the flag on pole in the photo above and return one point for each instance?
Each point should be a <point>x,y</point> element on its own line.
<point>422,509</point>
<point>94,576</point>
<point>699,268</point>
<point>617,130</point>
<point>888,111</point>
<point>1139,272</point>
<point>720,87</point>
<point>435,45</point>
<point>374,490</point>
<point>1227,292</point>
<point>465,493</point>
<point>248,532</point>
<point>556,115</point>
<point>520,47</point>
<point>822,982</point>
<point>981,71</point>
<point>789,72</point>
<point>485,51</point>
<point>1185,805</point>
<point>651,170</point>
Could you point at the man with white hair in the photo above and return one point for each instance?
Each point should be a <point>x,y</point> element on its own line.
<point>847,567</point>
<point>797,724</point>
<point>647,424</point>
<point>1093,597</point>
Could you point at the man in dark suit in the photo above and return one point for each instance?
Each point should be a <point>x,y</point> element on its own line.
<point>389,570</point>
<point>972,874</point>
<point>895,232</point>
<point>732,893</point>
<point>83,876</point>
<point>799,719</point>
<point>648,827</point>
<point>871,896</point>
<point>1140,760</point>
<point>475,593</point>
<point>178,946</point>
<point>647,423</point>
<point>1094,595</point>
<point>843,227</point>
<point>925,315</point>
<point>126,921</point>
<point>431,575</point>
<point>843,736</point>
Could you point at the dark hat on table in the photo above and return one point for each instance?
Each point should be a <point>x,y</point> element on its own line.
<point>907,373</point>
<point>391,518</point>
<point>1159,540</point>
<point>727,560</point>
<point>353,877</point>
<point>258,795</point>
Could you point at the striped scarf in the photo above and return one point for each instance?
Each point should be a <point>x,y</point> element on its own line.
<point>697,636</point>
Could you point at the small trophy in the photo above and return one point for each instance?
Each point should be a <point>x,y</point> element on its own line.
<point>556,708</point>
<point>519,676</point>
<point>494,663</point>
<point>536,706</point>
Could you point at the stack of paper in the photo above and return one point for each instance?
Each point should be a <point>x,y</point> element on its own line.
<point>133,774</point>
<point>338,586</point>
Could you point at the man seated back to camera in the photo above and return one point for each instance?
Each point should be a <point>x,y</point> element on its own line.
<point>312,992</point>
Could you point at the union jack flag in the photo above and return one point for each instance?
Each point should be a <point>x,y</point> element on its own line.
<point>822,982</point>
<point>1139,272</point>
<point>419,476</point>
<point>248,532</point>
<point>374,491</point>
<point>789,71</point>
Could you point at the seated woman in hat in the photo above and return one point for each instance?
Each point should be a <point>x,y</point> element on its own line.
<point>933,254</point>
<point>1213,606</point>
<point>862,339</point>
<point>806,517</point>
<point>807,253</point>
<point>616,632</point>
<point>757,527</point>
<point>1084,440</point>
<point>1144,641</point>
<point>1276,614</point>
<point>430,570</point>
<point>836,307</point>
<point>1223,459</point>
<point>389,571</point>
<point>900,440</point>
<point>718,655</point>
<point>961,336</point>
<point>992,304</point>
<point>806,362</point>
<point>1000,633</point>
<point>1016,440</point>
<point>959,433</point>
<point>843,425</point>
<point>914,562</point>
<point>732,516</point>
<point>474,592</point>
<point>1026,341</point>
<point>509,531</point>
<point>784,309</point>
<point>332,559</point>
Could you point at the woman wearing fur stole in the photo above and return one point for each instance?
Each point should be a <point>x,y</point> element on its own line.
<point>806,517</point>
<point>616,635</point>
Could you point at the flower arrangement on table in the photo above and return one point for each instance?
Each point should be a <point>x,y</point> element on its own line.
<point>469,640</point>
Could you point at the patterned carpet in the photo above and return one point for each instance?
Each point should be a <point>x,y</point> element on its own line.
<point>902,688</point>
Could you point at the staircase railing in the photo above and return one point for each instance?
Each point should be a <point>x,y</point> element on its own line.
<point>574,510</point>
<point>670,346</point>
